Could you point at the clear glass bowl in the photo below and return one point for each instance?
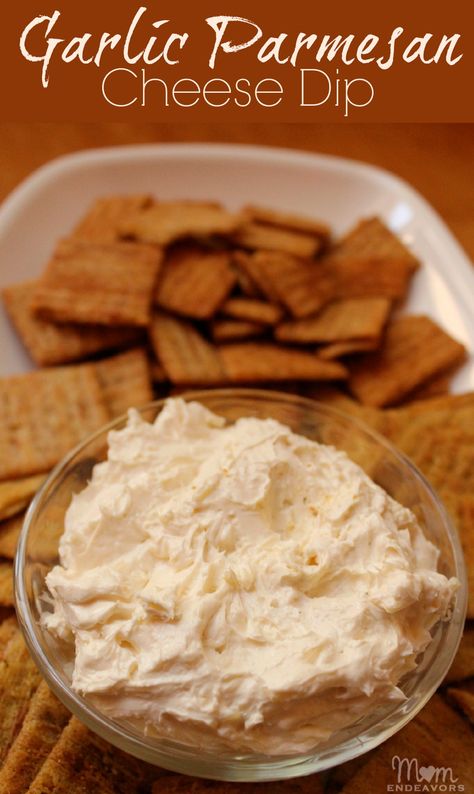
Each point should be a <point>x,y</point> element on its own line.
<point>37,554</point>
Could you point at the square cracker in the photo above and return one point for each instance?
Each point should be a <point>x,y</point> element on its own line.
<point>125,381</point>
<point>105,284</point>
<point>15,495</point>
<point>44,721</point>
<point>371,261</point>
<point>103,221</point>
<point>167,221</point>
<point>415,349</point>
<point>351,319</point>
<point>260,236</point>
<point>195,282</point>
<point>44,414</point>
<point>301,286</point>
<point>49,343</point>
<point>186,357</point>
<point>254,361</point>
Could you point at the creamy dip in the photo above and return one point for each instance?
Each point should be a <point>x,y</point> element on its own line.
<point>240,587</point>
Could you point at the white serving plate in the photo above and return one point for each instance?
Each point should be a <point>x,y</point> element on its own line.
<point>47,204</point>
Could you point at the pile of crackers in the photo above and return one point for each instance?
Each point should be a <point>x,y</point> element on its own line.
<point>144,299</point>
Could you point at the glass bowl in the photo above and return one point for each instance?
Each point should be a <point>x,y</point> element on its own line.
<point>37,554</point>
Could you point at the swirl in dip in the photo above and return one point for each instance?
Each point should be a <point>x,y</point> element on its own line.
<point>240,587</point>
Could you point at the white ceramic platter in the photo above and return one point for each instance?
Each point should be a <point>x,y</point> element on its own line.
<point>338,191</point>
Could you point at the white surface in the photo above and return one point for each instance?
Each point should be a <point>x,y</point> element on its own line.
<point>338,191</point>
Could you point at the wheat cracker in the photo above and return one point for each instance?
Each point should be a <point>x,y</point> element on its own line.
<point>125,381</point>
<point>42,726</point>
<point>44,414</point>
<point>414,350</point>
<point>195,282</point>
<point>49,343</point>
<point>98,283</point>
<point>186,357</point>
<point>254,362</point>
<point>104,219</point>
<point>339,321</point>
<point>167,221</point>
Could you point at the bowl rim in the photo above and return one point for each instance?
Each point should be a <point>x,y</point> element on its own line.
<point>117,733</point>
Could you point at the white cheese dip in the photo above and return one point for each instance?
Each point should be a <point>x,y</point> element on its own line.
<point>242,587</point>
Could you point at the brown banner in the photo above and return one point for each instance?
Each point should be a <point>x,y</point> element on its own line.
<point>234,60</point>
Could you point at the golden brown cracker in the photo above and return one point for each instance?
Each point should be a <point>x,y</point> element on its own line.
<point>287,220</point>
<point>187,358</point>
<point>223,330</point>
<point>125,381</point>
<point>255,311</point>
<point>103,220</point>
<point>437,738</point>
<point>167,221</point>
<point>49,343</point>
<point>9,534</point>
<point>414,350</point>
<point>15,495</point>
<point>260,236</point>
<point>254,362</point>
<point>195,282</point>
<point>352,319</point>
<point>372,237</point>
<point>42,726</point>
<point>371,261</point>
<point>82,762</point>
<point>19,679</point>
<point>44,414</point>
<point>302,287</point>
<point>463,665</point>
<point>6,584</point>
<point>98,283</point>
